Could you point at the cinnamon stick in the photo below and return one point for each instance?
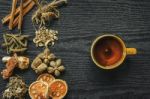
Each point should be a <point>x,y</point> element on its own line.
<point>7,18</point>
<point>14,3</point>
<point>20,15</point>
<point>25,11</point>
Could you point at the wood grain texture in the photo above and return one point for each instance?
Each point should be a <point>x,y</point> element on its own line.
<point>82,21</point>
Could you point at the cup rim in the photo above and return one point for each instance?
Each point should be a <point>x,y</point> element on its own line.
<point>117,64</point>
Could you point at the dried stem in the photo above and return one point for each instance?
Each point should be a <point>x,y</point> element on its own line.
<point>58,2</point>
<point>20,15</point>
<point>7,18</point>
<point>25,11</point>
<point>14,3</point>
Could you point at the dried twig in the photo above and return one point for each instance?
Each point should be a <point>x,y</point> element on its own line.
<point>14,3</point>
<point>25,11</point>
<point>7,18</point>
<point>20,15</point>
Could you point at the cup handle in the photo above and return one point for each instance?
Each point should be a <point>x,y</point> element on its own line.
<point>131,51</point>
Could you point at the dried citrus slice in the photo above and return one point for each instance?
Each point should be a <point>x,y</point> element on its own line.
<point>38,90</point>
<point>58,89</point>
<point>46,78</point>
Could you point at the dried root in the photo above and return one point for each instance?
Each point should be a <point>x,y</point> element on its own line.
<point>13,62</point>
<point>47,12</point>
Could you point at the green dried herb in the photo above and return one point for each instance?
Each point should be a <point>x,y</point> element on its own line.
<point>15,42</point>
<point>16,88</point>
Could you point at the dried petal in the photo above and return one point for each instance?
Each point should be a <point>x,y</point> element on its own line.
<point>52,63</point>
<point>58,62</point>
<point>50,70</point>
<point>57,73</point>
<point>61,68</point>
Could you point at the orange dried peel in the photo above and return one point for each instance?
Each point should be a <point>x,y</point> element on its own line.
<point>48,78</point>
<point>58,89</point>
<point>38,90</point>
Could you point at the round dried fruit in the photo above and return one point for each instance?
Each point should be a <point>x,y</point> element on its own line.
<point>46,78</point>
<point>58,89</point>
<point>38,90</point>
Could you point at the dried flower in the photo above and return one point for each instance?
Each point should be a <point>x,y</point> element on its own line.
<point>56,67</point>
<point>16,88</point>
<point>45,37</point>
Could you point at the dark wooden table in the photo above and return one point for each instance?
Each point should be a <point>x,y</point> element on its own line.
<point>82,21</point>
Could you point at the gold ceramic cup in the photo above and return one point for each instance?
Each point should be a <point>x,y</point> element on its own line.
<point>126,51</point>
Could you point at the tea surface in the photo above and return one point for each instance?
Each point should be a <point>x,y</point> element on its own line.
<point>108,51</point>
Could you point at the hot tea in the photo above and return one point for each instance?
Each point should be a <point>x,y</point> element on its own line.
<point>108,51</point>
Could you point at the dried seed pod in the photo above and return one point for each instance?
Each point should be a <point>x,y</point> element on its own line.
<point>46,78</point>
<point>58,89</point>
<point>41,68</point>
<point>38,90</point>
<point>36,62</point>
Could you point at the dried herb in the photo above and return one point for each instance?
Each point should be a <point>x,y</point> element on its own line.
<point>45,37</point>
<point>47,12</point>
<point>15,42</point>
<point>58,89</point>
<point>47,61</point>
<point>38,90</point>
<point>13,62</point>
<point>16,88</point>
<point>56,67</point>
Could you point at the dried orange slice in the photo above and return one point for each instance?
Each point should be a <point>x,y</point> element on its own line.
<point>58,89</point>
<point>46,78</point>
<point>38,90</point>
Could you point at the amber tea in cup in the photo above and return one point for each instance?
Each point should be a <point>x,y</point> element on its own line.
<point>109,51</point>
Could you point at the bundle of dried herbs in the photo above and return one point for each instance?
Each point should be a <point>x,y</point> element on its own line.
<point>16,16</point>
<point>47,12</point>
<point>15,42</point>
<point>45,37</point>
<point>12,62</point>
<point>15,89</point>
<point>47,61</point>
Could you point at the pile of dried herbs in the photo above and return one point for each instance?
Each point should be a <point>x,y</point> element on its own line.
<point>15,89</point>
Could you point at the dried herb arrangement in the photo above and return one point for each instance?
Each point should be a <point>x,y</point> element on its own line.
<point>15,89</point>
<point>47,86</point>
<point>46,61</point>
<point>16,16</point>
<point>15,42</point>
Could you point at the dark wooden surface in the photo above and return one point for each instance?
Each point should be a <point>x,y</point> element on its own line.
<point>82,21</point>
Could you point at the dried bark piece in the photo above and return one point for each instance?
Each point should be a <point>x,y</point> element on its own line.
<point>14,3</point>
<point>38,90</point>
<point>48,78</point>
<point>58,89</point>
